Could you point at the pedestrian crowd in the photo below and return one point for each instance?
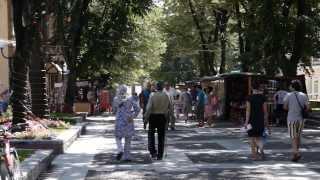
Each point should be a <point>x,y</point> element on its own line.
<point>162,105</point>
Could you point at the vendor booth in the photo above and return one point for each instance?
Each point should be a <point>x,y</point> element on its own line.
<point>82,103</point>
<point>234,88</point>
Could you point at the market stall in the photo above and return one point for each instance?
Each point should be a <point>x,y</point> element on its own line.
<point>233,90</point>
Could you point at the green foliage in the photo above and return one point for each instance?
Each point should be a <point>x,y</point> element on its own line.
<point>65,117</point>
<point>271,29</point>
<point>108,38</point>
<point>196,37</point>
<point>183,39</point>
<point>24,154</point>
<point>259,33</point>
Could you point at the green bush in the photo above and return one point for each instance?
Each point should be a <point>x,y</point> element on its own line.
<point>67,118</point>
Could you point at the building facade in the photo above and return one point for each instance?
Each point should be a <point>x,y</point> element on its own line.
<point>313,80</point>
<point>5,34</point>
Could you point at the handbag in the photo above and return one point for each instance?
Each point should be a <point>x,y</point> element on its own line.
<point>246,128</point>
<point>304,112</point>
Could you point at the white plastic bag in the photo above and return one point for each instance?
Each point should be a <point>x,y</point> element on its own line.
<point>246,128</point>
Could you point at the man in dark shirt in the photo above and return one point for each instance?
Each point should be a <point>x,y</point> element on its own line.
<point>144,98</point>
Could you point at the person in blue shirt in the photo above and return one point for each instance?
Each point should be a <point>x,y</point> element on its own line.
<point>144,98</point>
<point>200,104</point>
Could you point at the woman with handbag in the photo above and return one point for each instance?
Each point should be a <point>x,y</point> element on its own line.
<point>256,119</point>
<point>297,104</point>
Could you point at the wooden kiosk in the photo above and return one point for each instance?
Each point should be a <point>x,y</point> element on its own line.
<point>233,90</point>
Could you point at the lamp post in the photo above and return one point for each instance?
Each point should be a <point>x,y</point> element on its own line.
<point>4,44</point>
<point>7,44</point>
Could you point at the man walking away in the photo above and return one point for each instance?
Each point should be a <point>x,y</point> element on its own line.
<point>295,102</point>
<point>144,98</point>
<point>157,113</point>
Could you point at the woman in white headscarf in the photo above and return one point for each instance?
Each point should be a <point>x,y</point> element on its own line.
<point>126,110</point>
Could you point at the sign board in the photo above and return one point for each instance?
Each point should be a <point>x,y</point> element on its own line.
<point>82,83</point>
<point>58,85</point>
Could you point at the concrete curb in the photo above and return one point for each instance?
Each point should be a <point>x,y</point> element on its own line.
<point>36,163</point>
<point>71,135</point>
<point>59,144</point>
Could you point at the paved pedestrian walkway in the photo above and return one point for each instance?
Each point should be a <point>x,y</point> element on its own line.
<point>192,153</point>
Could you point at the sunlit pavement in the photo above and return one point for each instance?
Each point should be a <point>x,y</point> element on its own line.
<point>191,153</point>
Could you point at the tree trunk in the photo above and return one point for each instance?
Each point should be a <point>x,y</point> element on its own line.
<point>270,49</point>
<point>19,67</point>
<point>239,24</point>
<point>243,60</point>
<point>205,53</point>
<point>224,18</point>
<point>300,33</point>
<point>208,65</point>
<point>223,56</point>
<point>78,20</point>
<point>37,77</point>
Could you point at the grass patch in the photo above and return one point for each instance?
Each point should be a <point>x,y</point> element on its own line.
<point>67,118</point>
<point>24,154</point>
<point>56,114</point>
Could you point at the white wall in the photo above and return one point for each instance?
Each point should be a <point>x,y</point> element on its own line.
<point>4,34</point>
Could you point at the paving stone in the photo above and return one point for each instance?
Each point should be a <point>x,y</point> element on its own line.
<point>238,174</point>
<point>186,175</point>
<point>311,145</point>
<point>122,175</point>
<point>110,159</point>
<point>283,145</point>
<point>213,146</point>
<point>219,174</point>
<point>307,157</point>
<point>312,136</point>
<point>315,170</point>
<point>219,158</point>
<point>280,145</point>
<point>197,137</point>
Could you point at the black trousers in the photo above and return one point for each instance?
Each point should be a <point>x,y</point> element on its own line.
<point>157,121</point>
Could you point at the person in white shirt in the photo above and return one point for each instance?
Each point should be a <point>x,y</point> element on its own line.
<point>170,92</point>
<point>296,102</point>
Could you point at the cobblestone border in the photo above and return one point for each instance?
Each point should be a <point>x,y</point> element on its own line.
<point>36,163</point>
